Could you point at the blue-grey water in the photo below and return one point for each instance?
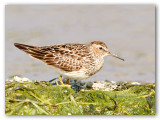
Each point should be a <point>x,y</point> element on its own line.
<point>128,30</point>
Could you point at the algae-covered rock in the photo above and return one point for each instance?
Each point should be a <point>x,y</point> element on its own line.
<point>27,97</point>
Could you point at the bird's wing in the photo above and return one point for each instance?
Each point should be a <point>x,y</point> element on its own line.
<point>67,57</point>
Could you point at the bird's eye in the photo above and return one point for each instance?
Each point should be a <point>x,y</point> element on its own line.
<point>100,48</point>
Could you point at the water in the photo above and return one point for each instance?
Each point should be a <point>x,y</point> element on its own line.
<point>128,30</point>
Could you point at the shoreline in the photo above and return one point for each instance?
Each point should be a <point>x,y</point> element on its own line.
<point>27,97</point>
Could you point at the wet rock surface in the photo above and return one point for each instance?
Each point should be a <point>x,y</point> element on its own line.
<point>30,97</point>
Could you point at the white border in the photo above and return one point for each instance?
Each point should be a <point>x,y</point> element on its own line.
<point>2,58</point>
<point>81,1</point>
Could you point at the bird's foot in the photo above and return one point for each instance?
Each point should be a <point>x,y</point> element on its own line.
<point>62,84</point>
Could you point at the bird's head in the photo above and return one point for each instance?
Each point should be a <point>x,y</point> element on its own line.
<point>101,49</point>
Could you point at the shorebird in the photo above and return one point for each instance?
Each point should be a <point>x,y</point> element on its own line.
<point>71,61</point>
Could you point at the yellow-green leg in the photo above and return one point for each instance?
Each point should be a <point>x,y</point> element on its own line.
<point>62,84</point>
<point>67,82</point>
<point>60,80</point>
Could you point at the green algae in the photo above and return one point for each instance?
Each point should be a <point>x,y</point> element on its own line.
<point>43,98</point>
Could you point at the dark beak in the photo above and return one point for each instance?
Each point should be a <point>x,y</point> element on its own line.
<point>110,54</point>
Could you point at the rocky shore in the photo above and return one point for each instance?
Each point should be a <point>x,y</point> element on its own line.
<point>30,97</point>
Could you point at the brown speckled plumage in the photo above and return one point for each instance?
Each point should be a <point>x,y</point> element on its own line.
<point>70,57</point>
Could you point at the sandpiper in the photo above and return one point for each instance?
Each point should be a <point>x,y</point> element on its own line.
<point>71,61</point>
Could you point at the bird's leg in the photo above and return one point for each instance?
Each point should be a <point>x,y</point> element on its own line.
<point>67,82</point>
<point>60,80</point>
<point>62,84</point>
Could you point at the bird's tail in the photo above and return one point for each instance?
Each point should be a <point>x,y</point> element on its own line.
<point>33,51</point>
<point>23,46</point>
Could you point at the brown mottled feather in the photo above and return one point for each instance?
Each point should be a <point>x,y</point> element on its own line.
<point>75,61</point>
<point>60,56</point>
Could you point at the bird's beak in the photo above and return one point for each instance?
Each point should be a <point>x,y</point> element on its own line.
<point>110,54</point>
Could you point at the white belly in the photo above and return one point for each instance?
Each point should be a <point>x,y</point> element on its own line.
<point>75,75</point>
